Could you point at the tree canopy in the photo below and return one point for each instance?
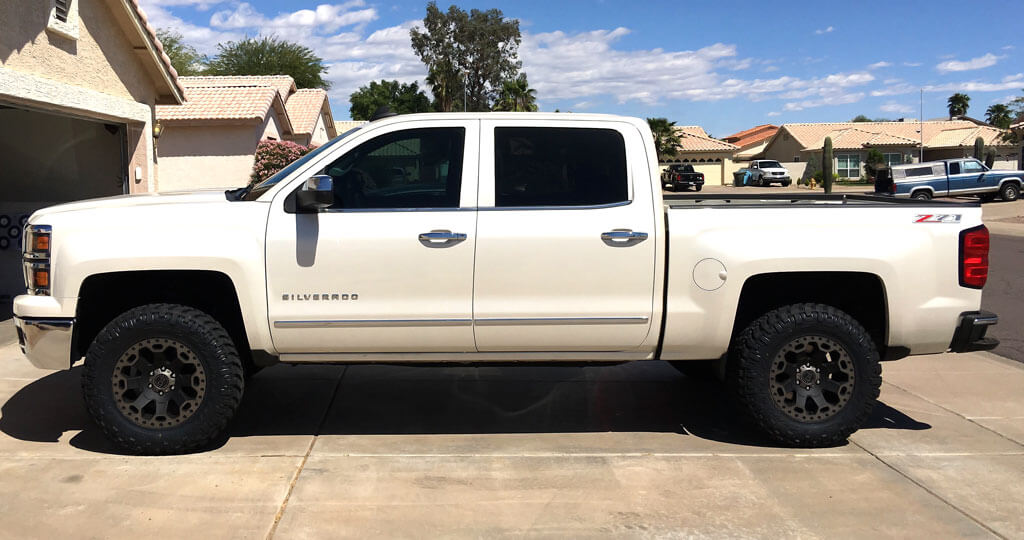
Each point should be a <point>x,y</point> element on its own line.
<point>270,56</point>
<point>400,98</point>
<point>958,104</point>
<point>184,57</point>
<point>467,54</point>
<point>999,115</point>
<point>860,118</point>
<point>517,96</point>
<point>666,140</point>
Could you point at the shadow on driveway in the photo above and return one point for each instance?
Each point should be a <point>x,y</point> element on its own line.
<point>358,400</point>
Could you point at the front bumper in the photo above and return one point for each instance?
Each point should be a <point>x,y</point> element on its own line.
<point>970,332</point>
<point>46,342</point>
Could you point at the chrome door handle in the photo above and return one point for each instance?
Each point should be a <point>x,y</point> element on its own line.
<point>441,238</point>
<point>623,237</point>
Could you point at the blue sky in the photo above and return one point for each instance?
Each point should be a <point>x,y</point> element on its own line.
<point>726,66</point>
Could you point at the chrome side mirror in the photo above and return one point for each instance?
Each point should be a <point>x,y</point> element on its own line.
<point>316,194</point>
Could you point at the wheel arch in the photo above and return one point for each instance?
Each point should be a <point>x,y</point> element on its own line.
<point>102,297</point>
<point>862,295</point>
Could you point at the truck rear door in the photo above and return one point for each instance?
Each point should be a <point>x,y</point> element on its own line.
<point>565,254</point>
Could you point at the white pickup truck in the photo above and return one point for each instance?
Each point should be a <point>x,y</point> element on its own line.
<point>496,237</point>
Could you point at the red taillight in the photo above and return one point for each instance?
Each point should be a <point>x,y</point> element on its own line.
<point>974,257</point>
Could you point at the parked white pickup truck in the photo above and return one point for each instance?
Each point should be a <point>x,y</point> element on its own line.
<point>506,238</point>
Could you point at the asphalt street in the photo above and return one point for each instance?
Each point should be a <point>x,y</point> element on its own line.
<point>1004,294</point>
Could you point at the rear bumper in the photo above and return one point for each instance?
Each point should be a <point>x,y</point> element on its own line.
<point>46,342</point>
<point>970,332</point>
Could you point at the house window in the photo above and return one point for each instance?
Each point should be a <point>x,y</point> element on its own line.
<point>64,18</point>
<point>893,159</point>
<point>848,165</point>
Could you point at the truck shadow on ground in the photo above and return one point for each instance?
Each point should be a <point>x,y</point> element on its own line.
<point>394,400</point>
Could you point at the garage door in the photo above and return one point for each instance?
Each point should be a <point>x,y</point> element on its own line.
<point>47,159</point>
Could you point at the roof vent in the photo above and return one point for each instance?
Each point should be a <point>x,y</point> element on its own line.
<point>62,8</point>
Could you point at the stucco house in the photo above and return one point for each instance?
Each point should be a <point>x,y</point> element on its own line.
<point>751,142</point>
<point>210,140</point>
<point>79,81</point>
<point>708,155</point>
<point>899,142</point>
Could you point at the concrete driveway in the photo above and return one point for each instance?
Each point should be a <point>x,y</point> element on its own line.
<point>631,450</point>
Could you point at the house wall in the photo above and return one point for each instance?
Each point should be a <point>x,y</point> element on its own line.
<point>98,75</point>
<point>752,151</point>
<point>783,147</point>
<point>211,156</point>
<point>319,136</point>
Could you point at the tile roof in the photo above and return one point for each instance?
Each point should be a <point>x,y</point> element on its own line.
<point>937,134</point>
<point>694,130</point>
<point>221,103</point>
<point>304,107</point>
<point>752,136</point>
<point>151,39</point>
<point>282,83</point>
<point>700,142</point>
<point>349,124</point>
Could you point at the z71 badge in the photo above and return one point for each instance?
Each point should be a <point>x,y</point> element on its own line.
<point>937,218</point>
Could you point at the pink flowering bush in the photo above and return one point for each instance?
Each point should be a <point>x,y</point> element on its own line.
<point>272,156</point>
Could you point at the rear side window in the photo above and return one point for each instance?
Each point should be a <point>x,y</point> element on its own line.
<point>559,167</point>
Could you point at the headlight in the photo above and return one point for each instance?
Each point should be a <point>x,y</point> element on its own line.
<point>36,259</point>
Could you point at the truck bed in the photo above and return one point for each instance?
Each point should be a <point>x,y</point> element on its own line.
<point>747,200</point>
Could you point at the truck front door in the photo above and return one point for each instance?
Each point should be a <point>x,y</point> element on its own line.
<point>389,267</point>
<point>965,177</point>
<point>566,251</point>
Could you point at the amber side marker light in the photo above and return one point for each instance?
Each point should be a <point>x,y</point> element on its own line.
<point>41,242</point>
<point>42,278</point>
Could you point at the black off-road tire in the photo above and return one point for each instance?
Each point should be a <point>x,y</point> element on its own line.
<point>1009,192</point>
<point>786,183</point>
<point>208,345</point>
<point>761,344</point>
<point>700,187</point>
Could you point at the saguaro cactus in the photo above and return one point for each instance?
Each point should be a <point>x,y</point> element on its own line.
<point>979,149</point>
<point>826,165</point>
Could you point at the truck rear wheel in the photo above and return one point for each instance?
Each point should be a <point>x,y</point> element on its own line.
<point>922,195</point>
<point>162,379</point>
<point>1009,192</point>
<point>808,374</point>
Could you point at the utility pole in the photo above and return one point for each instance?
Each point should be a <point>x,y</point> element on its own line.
<point>465,88</point>
<point>920,125</point>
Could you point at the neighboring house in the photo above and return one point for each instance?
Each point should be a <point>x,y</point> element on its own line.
<point>710,156</point>
<point>899,142</point>
<point>751,142</point>
<point>78,84</point>
<point>210,140</point>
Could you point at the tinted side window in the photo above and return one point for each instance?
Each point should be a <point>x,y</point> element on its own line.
<point>415,168</point>
<point>559,167</point>
<point>954,168</point>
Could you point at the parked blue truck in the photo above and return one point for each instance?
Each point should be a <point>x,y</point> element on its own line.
<point>951,178</point>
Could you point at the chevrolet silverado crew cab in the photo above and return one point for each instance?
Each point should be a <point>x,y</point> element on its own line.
<point>507,237</point>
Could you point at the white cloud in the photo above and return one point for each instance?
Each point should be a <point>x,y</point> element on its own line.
<point>1007,47</point>
<point>774,113</point>
<point>882,64</point>
<point>1010,82</point>
<point>985,61</point>
<point>893,107</point>
<point>912,64</point>
<point>834,99</point>
<point>204,39</point>
<point>894,87</point>
<point>824,30</point>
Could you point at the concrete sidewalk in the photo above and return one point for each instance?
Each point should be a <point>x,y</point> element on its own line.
<point>632,450</point>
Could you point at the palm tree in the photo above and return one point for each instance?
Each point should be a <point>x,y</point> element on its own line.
<point>999,115</point>
<point>517,96</point>
<point>958,104</point>
<point>666,140</point>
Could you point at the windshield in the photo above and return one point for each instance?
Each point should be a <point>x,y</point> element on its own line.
<point>769,165</point>
<point>261,188</point>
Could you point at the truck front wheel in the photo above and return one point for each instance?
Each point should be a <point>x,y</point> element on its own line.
<point>808,374</point>
<point>162,379</point>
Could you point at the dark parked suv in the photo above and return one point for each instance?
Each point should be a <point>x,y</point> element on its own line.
<point>681,176</point>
